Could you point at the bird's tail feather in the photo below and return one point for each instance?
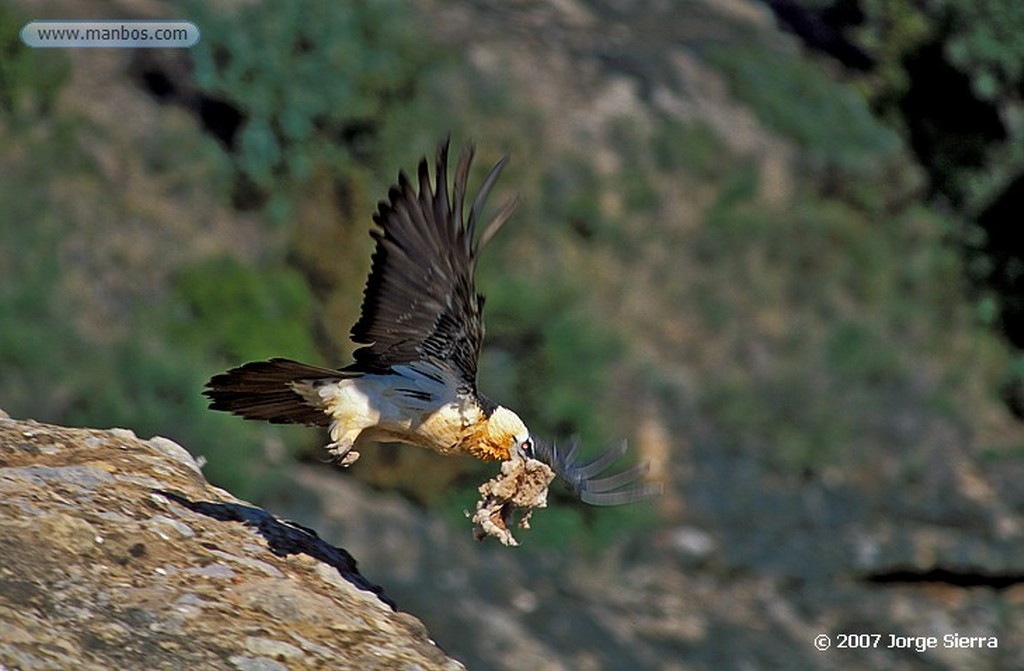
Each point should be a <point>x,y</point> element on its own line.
<point>264,390</point>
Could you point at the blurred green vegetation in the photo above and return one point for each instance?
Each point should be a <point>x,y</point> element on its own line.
<point>316,82</point>
<point>986,42</point>
<point>218,298</point>
<point>934,58</point>
<point>948,81</point>
<point>29,78</point>
<point>793,96</point>
<point>950,78</point>
<point>691,148</point>
<point>980,42</point>
<point>842,311</point>
<point>802,323</point>
<point>54,370</point>
<point>146,372</point>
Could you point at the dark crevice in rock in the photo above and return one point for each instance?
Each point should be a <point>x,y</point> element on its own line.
<point>965,577</point>
<point>285,538</point>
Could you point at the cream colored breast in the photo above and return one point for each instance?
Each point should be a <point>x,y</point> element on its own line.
<point>447,428</point>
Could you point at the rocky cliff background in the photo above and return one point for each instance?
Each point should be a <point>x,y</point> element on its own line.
<point>770,244</point>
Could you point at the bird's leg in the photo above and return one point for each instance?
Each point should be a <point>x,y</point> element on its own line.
<point>343,452</point>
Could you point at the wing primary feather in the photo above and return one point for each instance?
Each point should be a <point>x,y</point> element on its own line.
<point>623,496</point>
<point>427,197</point>
<point>602,461</point>
<point>459,195</point>
<point>499,220</point>
<point>442,210</point>
<point>481,199</point>
<point>612,490</point>
<point>628,476</point>
<point>574,447</point>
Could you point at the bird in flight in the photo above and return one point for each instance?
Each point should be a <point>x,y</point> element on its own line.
<point>414,378</point>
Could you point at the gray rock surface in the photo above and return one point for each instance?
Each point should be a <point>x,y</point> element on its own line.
<point>117,553</point>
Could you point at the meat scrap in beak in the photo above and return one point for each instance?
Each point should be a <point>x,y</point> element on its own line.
<point>521,486</point>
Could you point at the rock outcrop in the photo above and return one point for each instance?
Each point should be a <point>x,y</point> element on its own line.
<point>117,553</point>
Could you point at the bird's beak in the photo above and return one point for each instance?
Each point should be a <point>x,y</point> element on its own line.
<point>526,449</point>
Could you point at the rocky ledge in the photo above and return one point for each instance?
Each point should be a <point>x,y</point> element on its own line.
<point>117,553</point>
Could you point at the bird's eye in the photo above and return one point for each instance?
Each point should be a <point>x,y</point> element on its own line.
<point>528,448</point>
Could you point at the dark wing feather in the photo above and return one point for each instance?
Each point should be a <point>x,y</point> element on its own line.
<point>420,300</point>
<point>625,486</point>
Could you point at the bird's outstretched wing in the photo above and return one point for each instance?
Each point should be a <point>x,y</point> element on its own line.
<point>420,301</point>
<point>582,478</point>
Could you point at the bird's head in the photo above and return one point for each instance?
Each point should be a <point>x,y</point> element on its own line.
<point>505,433</point>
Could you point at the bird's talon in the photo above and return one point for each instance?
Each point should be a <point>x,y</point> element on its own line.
<point>343,452</point>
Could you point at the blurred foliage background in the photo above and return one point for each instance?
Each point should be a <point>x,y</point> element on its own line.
<point>308,111</point>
